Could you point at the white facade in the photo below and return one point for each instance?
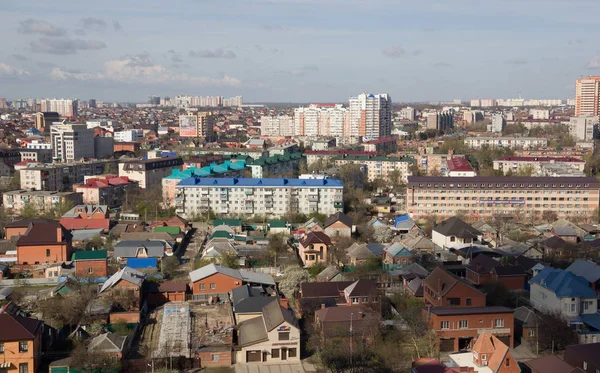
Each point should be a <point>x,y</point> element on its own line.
<point>129,135</point>
<point>507,142</point>
<point>72,141</point>
<point>371,115</point>
<point>498,123</point>
<point>584,127</point>
<point>65,108</point>
<point>540,113</point>
<point>223,197</point>
<point>408,113</point>
<point>282,125</point>
<point>546,300</point>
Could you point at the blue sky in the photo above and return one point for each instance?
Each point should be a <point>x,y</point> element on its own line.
<point>297,50</point>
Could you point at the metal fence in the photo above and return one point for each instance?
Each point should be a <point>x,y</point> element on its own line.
<point>29,282</point>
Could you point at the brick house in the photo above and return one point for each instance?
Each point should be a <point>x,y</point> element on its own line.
<point>338,224</point>
<point>485,270</point>
<point>584,356</point>
<point>398,254</point>
<point>316,295</point>
<point>215,279</point>
<point>42,241</point>
<point>489,353</point>
<point>125,283</point>
<point>352,323</point>
<point>454,231</point>
<point>457,328</point>
<point>313,248</point>
<point>87,217</point>
<point>443,289</point>
<point>526,325</point>
<point>167,291</point>
<point>20,343</point>
<point>91,263</point>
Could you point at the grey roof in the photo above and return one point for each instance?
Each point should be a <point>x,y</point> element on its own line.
<point>154,236</point>
<point>588,270</point>
<point>247,276</point>
<point>526,317</point>
<point>456,227</point>
<point>5,293</point>
<point>565,231</point>
<point>107,342</point>
<point>341,217</point>
<point>376,247</point>
<point>86,234</point>
<point>328,273</point>
<point>248,299</point>
<point>483,226</point>
<point>416,286</point>
<point>129,249</point>
<point>127,274</point>
<point>359,251</point>
<point>252,331</point>
<point>88,209</point>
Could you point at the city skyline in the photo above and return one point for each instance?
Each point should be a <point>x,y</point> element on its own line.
<point>297,51</point>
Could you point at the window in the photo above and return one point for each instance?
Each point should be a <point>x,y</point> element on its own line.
<point>507,362</point>
<point>452,239</point>
<point>275,353</point>
<point>483,357</point>
<point>284,336</point>
<point>23,347</point>
<point>453,301</point>
<point>445,325</point>
<point>215,357</point>
<point>90,270</point>
<point>291,352</point>
<point>355,300</point>
<point>202,287</point>
<point>47,253</point>
<point>463,324</point>
<point>1,348</point>
<point>468,302</point>
<point>573,307</point>
<point>531,333</point>
<point>213,286</point>
<point>365,300</point>
<point>499,323</point>
<point>23,368</point>
<point>585,365</point>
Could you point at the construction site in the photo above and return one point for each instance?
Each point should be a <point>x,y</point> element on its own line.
<point>200,331</point>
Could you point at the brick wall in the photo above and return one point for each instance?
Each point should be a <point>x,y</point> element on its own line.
<point>98,267</point>
<point>222,284</point>
<point>206,358</point>
<point>128,317</point>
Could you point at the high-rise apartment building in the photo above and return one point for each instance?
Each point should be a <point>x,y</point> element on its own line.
<point>498,123</point>
<point>92,103</point>
<point>440,121</point>
<point>587,96</point>
<point>72,142</point>
<point>3,103</point>
<point>584,128</point>
<point>43,121</point>
<point>321,120</point>
<point>370,115</point>
<point>66,108</point>
<point>408,113</point>
<point>154,100</point>
<point>198,124</point>
<point>282,125</point>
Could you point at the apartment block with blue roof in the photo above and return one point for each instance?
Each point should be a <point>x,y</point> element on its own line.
<point>245,196</point>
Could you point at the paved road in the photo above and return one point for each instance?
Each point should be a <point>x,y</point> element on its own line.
<point>269,368</point>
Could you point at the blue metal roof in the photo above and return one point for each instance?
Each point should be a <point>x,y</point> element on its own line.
<point>563,283</point>
<point>248,182</point>
<point>141,262</point>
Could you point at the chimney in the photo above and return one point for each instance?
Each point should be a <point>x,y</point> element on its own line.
<point>322,306</point>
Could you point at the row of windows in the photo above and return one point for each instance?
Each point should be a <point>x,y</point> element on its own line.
<point>506,185</point>
<point>23,347</point>
<point>503,198</point>
<point>464,324</point>
<point>546,205</point>
<point>504,191</point>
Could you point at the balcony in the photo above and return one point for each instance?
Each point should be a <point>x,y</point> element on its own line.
<point>268,193</point>
<point>313,199</point>
<point>338,205</point>
<point>204,191</point>
<point>249,192</point>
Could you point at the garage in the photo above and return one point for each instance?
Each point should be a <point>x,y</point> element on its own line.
<point>505,340</point>
<point>253,356</point>
<point>447,345</point>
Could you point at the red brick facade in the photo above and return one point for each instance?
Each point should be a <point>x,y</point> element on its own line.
<point>222,358</point>
<point>216,283</point>
<point>91,268</point>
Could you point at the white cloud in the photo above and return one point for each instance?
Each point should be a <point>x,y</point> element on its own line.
<point>128,71</point>
<point>11,71</point>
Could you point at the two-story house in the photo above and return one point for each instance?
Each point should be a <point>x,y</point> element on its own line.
<point>214,279</point>
<point>313,248</point>
<point>489,354</point>
<point>274,337</point>
<point>317,295</point>
<point>457,313</point>
<point>584,357</point>
<point>125,284</point>
<point>484,270</point>
<point>20,343</point>
<point>455,231</point>
<point>588,270</point>
<point>40,241</point>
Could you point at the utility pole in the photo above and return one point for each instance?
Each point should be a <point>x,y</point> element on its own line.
<point>351,339</point>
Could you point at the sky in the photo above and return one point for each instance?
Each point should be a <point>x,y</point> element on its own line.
<point>297,50</point>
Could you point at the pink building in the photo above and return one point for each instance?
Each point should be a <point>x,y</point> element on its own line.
<point>110,190</point>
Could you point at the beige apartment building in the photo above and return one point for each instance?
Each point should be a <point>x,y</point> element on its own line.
<point>482,197</point>
<point>516,164</point>
<point>40,200</point>
<point>148,172</point>
<point>379,167</point>
<point>61,177</point>
<point>506,142</point>
<point>587,96</point>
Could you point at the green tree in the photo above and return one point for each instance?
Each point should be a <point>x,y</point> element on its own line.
<point>316,268</point>
<point>28,211</point>
<point>352,176</point>
<point>95,243</point>
<point>229,260</point>
<point>169,265</point>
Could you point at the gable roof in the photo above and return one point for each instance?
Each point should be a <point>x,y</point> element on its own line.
<point>587,352</point>
<point>129,249</point>
<point>341,217</point>
<point>248,299</point>
<point>526,317</point>
<point>563,283</point>
<point>359,251</point>
<point>456,227</point>
<point>555,242</point>
<point>43,232</point>
<point>107,342</point>
<point>446,280</point>
<point>251,277</point>
<point>85,209</point>
<point>586,269</point>
<point>483,264</point>
<point>323,289</point>
<point>549,363</point>
<point>361,288</point>
<point>315,238</point>
<point>397,249</point>
<point>17,327</point>
<point>128,274</point>
<point>328,273</point>
<point>252,331</point>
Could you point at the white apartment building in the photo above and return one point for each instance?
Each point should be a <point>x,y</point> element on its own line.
<point>129,135</point>
<point>271,197</point>
<point>106,124</point>
<point>475,103</point>
<point>488,103</point>
<point>371,115</point>
<point>72,142</point>
<point>40,200</point>
<point>506,142</point>
<point>539,113</point>
<point>61,177</point>
<point>65,108</point>
<point>408,113</point>
<point>379,167</point>
<point>512,164</point>
<point>584,127</point>
<point>498,123</point>
<point>149,172</point>
<point>276,126</point>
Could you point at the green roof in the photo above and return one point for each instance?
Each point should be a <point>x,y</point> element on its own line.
<point>278,224</point>
<point>221,234</point>
<point>167,229</point>
<point>90,255</point>
<point>228,222</point>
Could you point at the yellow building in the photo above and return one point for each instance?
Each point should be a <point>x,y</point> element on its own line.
<point>20,343</point>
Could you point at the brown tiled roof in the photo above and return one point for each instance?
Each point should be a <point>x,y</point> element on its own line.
<point>315,237</point>
<point>439,277</point>
<point>173,286</point>
<point>361,288</point>
<point>339,216</point>
<point>16,328</point>
<point>323,289</point>
<point>549,363</point>
<point>43,233</point>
